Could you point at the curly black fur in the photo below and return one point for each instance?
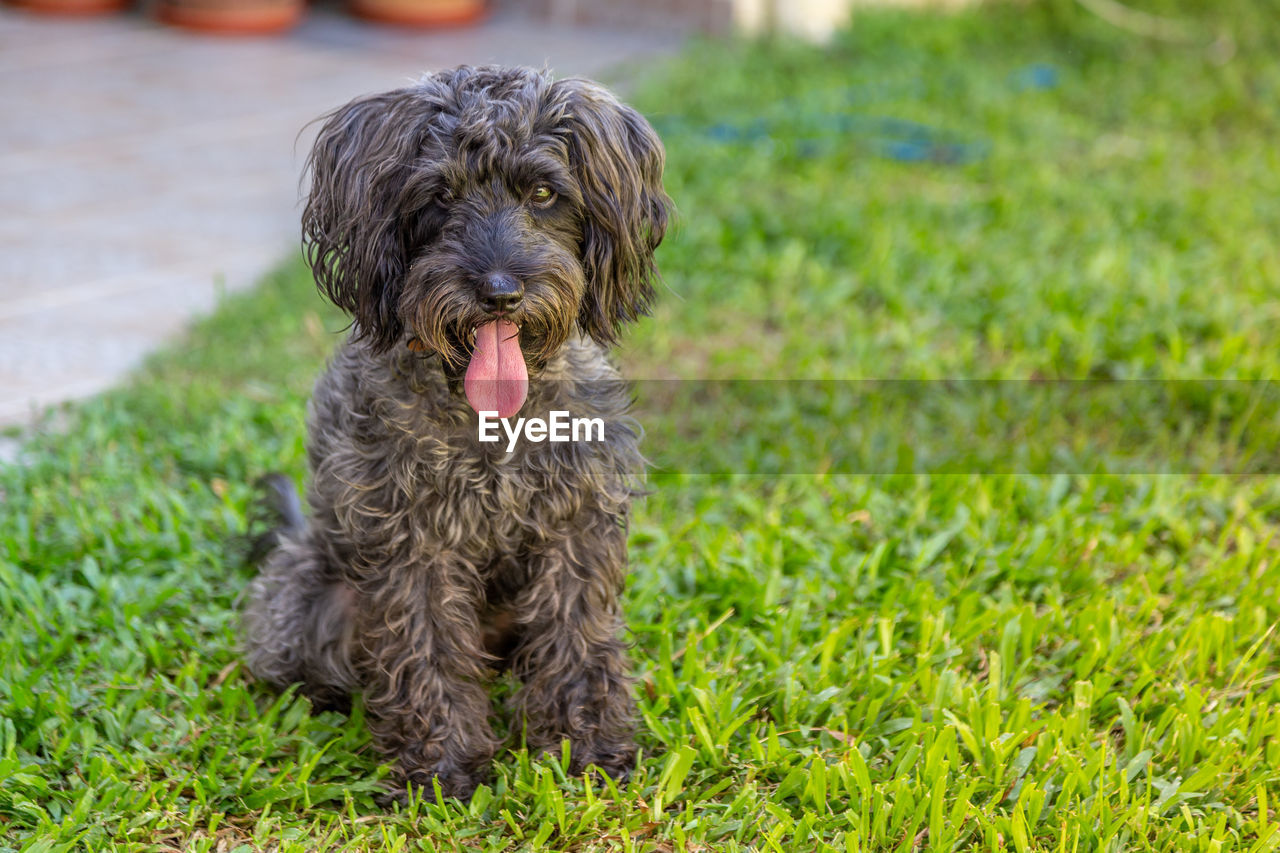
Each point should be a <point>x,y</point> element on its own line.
<point>429,560</point>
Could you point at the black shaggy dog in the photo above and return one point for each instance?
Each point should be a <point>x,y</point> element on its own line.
<point>490,231</point>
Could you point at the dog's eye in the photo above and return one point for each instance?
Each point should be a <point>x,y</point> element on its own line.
<point>542,196</point>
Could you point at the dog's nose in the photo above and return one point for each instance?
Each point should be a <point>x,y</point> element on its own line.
<point>500,292</point>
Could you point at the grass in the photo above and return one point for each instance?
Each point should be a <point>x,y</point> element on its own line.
<point>1072,660</point>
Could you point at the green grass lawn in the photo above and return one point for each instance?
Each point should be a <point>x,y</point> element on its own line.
<point>1069,660</point>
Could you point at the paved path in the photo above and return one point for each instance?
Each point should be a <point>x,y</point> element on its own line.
<point>143,169</point>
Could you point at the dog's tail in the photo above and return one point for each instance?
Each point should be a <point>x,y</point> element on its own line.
<point>276,513</point>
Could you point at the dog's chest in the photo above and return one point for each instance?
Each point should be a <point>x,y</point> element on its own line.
<point>482,498</point>
<point>409,466</point>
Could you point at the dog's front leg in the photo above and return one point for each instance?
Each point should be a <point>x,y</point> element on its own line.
<point>426,697</point>
<point>574,668</point>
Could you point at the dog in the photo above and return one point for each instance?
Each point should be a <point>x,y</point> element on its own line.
<point>490,231</point>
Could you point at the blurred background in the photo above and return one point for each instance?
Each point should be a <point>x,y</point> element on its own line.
<point>151,150</point>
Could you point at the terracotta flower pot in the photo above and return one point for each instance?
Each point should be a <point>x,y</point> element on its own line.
<point>70,7</point>
<point>231,17</point>
<point>420,13</point>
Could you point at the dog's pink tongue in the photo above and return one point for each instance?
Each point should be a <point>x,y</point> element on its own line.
<point>497,379</point>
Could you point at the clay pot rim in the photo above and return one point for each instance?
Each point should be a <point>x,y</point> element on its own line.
<point>70,8</point>
<point>372,10</point>
<point>234,21</point>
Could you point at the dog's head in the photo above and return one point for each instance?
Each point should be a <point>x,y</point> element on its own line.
<point>482,213</point>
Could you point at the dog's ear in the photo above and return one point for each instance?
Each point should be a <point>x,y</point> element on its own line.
<point>355,231</point>
<point>617,159</point>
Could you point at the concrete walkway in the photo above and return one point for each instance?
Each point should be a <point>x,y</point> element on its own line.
<point>143,169</point>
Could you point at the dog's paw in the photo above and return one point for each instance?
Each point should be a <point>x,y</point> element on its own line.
<point>454,783</point>
<point>616,760</point>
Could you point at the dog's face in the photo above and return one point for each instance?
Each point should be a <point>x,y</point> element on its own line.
<point>484,212</point>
